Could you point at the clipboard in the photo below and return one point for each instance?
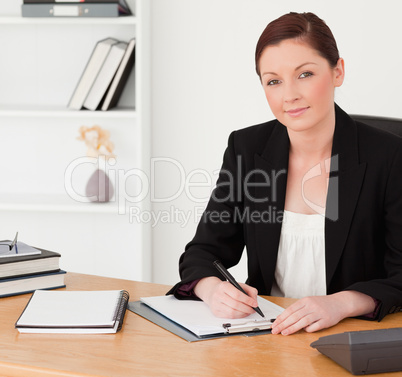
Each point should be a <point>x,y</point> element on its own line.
<point>249,326</point>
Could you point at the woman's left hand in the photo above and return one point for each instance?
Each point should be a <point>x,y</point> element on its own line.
<point>319,312</point>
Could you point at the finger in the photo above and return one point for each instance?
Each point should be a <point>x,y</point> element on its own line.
<point>235,309</point>
<point>293,322</point>
<point>238,295</point>
<point>288,320</point>
<point>303,323</point>
<point>225,302</point>
<point>227,307</point>
<point>228,313</point>
<point>315,326</point>
<point>251,291</point>
<point>239,301</point>
<point>300,324</point>
<point>291,310</point>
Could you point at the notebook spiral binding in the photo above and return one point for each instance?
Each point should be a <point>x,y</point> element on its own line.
<point>121,308</point>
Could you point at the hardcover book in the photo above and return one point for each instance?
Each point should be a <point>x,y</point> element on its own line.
<point>29,283</point>
<point>90,73</point>
<point>17,266</point>
<point>105,76</point>
<point>119,81</point>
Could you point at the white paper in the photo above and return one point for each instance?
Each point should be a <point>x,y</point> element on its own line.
<point>198,318</point>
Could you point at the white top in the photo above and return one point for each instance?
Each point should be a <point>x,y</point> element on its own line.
<point>300,267</point>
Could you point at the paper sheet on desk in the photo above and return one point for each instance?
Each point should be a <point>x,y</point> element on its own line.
<point>198,318</point>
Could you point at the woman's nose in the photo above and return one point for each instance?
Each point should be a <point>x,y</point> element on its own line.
<point>291,93</point>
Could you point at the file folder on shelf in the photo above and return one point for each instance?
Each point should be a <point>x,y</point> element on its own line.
<point>72,10</point>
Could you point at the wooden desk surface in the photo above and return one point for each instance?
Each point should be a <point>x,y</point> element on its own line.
<point>144,349</point>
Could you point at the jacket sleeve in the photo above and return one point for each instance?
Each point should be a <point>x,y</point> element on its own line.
<point>388,290</point>
<point>219,234</point>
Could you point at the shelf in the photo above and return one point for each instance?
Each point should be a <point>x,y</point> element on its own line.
<point>61,111</point>
<point>53,203</point>
<point>18,20</point>
<point>39,133</point>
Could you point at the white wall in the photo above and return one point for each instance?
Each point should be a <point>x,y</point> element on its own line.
<point>204,86</point>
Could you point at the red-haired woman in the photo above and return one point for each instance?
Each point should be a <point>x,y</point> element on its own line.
<point>315,197</point>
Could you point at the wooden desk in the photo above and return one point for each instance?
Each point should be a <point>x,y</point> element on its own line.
<point>144,349</point>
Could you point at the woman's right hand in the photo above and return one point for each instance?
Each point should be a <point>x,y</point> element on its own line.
<point>224,299</point>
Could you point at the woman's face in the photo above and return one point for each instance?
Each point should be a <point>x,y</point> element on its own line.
<point>299,85</point>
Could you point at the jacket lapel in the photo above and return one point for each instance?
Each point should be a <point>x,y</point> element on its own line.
<point>271,166</point>
<point>346,177</point>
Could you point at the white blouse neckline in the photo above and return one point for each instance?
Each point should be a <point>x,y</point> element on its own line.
<point>300,267</point>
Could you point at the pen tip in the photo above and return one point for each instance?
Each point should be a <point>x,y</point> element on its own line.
<point>259,311</point>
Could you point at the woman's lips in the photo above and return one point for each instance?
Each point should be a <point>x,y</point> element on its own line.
<point>296,112</point>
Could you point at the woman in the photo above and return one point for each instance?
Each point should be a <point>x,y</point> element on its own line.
<point>314,196</point>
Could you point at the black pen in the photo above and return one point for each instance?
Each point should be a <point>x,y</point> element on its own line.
<point>221,268</point>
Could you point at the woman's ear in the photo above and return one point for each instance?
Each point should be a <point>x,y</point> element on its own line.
<point>339,72</point>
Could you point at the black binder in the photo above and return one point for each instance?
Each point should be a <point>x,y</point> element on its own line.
<point>74,10</point>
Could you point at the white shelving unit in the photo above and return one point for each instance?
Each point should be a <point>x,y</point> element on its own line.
<point>126,20</point>
<point>43,60</point>
<point>44,111</point>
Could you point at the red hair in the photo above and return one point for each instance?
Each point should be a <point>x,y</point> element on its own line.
<point>306,27</point>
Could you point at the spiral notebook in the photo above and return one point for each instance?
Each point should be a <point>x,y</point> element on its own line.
<point>74,312</point>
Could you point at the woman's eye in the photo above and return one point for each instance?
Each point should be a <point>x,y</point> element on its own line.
<point>305,74</point>
<point>273,82</point>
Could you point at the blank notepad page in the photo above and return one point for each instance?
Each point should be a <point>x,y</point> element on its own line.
<point>71,308</point>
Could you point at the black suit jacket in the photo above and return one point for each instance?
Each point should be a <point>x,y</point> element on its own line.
<point>363,225</point>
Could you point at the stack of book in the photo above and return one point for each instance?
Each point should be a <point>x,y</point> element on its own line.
<point>75,8</point>
<point>24,269</point>
<point>104,76</point>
